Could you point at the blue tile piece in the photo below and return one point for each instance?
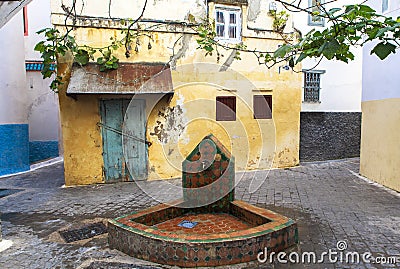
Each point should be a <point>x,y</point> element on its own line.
<point>36,66</point>
<point>187,224</point>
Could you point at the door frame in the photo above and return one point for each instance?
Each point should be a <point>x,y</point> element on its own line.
<point>103,127</point>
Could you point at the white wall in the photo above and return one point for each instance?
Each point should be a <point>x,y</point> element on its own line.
<point>39,14</point>
<point>381,79</point>
<point>8,9</point>
<point>12,76</point>
<point>43,112</point>
<point>162,10</point>
<point>341,83</point>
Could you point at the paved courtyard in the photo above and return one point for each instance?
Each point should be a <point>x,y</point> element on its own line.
<point>330,202</point>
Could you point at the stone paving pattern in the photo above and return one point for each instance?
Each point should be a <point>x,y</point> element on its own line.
<point>328,200</point>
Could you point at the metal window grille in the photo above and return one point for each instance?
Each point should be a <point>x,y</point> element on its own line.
<point>312,86</point>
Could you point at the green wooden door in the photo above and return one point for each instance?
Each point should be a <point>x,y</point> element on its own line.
<point>112,116</point>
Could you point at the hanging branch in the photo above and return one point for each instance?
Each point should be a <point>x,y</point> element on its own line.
<point>128,34</point>
<point>353,25</point>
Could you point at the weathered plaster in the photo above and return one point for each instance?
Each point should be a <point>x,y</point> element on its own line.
<point>176,124</point>
<point>254,10</point>
<point>82,143</point>
<point>228,61</point>
<point>170,123</point>
<point>184,42</point>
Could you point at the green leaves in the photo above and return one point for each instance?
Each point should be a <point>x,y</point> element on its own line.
<point>282,51</point>
<point>384,49</point>
<point>280,20</point>
<point>40,47</point>
<point>107,61</point>
<point>330,48</point>
<point>353,25</point>
<point>82,57</point>
<point>206,38</point>
<point>366,9</point>
<point>58,44</point>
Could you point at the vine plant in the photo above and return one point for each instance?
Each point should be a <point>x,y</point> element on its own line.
<point>280,20</point>
<point>56,43</point>
<point>353,25</point>
<point>350,26</point>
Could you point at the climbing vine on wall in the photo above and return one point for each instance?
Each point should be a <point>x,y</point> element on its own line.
<point>350,26</point>
<point>56,44</point>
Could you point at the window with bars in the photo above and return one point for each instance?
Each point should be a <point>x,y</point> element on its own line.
<point>312,86</point>
<point>262,106</point>
<point>227,23</point>
<point>314,7</point>
<point>226,108</point>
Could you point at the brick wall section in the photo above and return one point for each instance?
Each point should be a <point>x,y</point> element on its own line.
<point>329,135</point>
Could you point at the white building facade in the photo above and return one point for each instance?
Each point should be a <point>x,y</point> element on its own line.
<point>331,98</point>
<point>14,129</point>
<point>43,112</point>
<point>28,109</point>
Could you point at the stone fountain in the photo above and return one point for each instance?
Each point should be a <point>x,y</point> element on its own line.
<point>208,227</point>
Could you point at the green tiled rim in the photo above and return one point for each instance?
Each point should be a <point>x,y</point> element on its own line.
<point>181,240</point>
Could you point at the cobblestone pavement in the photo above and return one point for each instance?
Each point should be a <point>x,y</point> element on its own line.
<point>327,199</point>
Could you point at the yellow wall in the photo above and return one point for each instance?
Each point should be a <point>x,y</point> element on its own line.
<point>81,137</point>
<point>253,142</point>
<point>380,151</point>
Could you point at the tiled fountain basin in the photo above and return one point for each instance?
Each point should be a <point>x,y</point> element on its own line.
<point>222,236</point>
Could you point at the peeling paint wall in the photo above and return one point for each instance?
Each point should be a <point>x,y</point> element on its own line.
<point>176,123</point>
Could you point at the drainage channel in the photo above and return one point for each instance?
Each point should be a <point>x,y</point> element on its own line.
<point>84,232</point>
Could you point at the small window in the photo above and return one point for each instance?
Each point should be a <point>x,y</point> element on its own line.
<point>314,7</point>
<point>385,5</point>
<point>226,108</point>
<point>25,20</point>
<point>227,23</point>
<point>262,106</point>
<point>312,86</point>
